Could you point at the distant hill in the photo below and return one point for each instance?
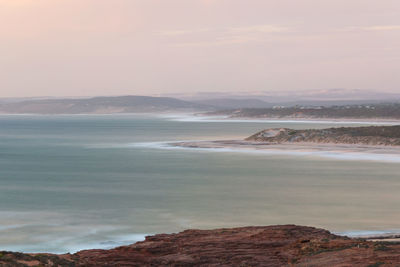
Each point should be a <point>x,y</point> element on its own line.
<point>227,103</point>
<point>101,105</point>
<point>301,97</point>
<point>235,107</point>
<point>383,111</point>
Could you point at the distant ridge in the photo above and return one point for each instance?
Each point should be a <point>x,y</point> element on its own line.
<point>101,105</point>
<point>226,103</point>
<point>324,97</point>
<point>366,111</point>
<point>250,106</point>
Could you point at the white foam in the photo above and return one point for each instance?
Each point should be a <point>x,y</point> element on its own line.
<point>193,118</point>
<point>53,232</point>
<point>57,244</point>
<point>328,154</point>
<point>114,241</point>
<point>366,233</point>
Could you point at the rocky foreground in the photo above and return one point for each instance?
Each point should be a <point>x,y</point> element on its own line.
<point>284,245</point>
<point>372,135</point>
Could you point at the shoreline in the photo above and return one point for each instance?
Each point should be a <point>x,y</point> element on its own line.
<point>225,118</point>
<point>324,150</point>
<point>339,119</point>
<point>187,116</point>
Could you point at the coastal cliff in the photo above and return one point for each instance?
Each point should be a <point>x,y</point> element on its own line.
<point>282,245</point>
<point>371,135</point>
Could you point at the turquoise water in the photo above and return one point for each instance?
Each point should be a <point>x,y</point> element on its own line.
<point>89,181</point>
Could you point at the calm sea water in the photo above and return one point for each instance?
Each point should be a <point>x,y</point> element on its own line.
<point>74,182</point>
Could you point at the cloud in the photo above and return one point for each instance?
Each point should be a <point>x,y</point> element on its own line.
<point>371,28</point>
<point>174,33</point>
<point>223,36</point>
<point>220,41</point>
<point>260,29</point>
<point>382,28</point>
<point>267,28</point>
<point>181,32</point>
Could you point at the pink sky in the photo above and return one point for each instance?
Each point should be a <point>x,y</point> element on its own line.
<point>118,47</point>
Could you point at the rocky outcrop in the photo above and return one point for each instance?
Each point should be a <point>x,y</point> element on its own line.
<point>284,245</point>
<point>372,135</point>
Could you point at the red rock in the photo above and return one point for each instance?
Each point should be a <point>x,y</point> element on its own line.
<point>284,245</point>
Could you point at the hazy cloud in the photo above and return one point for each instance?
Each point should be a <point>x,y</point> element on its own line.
<point>259,29</point>
<point>181,32</point>
<point>219,41</point>
<point>103,47</point>
<point>382,28</point>
<point>225,36</point>
<point>370,28</point>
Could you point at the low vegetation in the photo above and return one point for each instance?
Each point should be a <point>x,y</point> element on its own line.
<point>372,135</point>
<point>386,111</point>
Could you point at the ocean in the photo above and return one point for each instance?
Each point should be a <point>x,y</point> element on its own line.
<point>72,182</point>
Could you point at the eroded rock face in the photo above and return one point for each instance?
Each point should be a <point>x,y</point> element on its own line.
<point>285,245</point>
<point>372,135</point>
<point>248,246</point>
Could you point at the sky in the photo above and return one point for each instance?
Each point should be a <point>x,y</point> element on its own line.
<point>150,47</point>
